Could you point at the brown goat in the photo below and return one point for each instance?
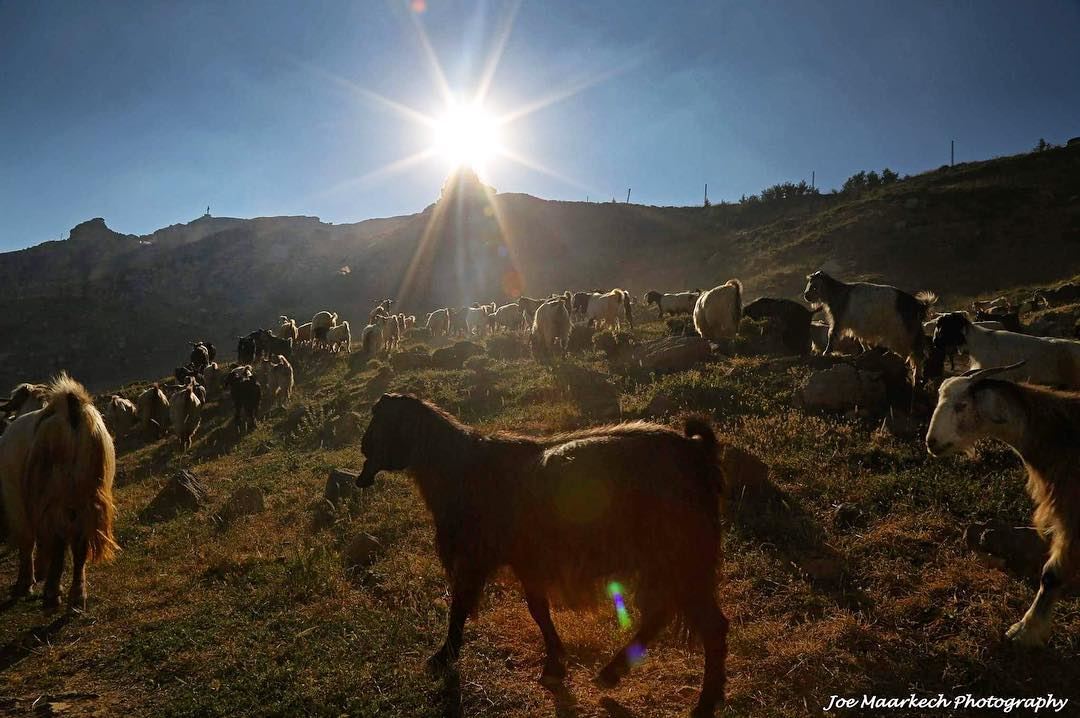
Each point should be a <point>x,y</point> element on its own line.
<point>1043,426</point>
<point>56,475</point>
<point>637,502</point>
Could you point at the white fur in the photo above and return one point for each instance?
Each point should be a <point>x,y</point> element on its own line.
<point>607,308</point>
<point>1048,361</point>
<point>551,325</point>
<point>718,311</point>
<point>338,337</point>
<point>510,316</point>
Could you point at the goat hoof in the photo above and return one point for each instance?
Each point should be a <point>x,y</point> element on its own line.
<point>553,673</point>
<point>1025,634</point>
<point>51,602</point>
<point>440,662</point>
<point>607,678</point>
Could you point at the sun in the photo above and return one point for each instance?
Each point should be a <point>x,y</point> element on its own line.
<point>467,135</point>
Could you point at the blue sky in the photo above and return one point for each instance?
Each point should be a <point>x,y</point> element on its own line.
<point>145,112</point>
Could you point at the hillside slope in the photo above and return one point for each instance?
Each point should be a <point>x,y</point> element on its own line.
<point>110,307</point>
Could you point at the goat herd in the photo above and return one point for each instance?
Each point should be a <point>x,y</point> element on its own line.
<point>639,500</point>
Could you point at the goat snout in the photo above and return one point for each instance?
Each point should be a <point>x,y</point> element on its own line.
<point>935,446</point>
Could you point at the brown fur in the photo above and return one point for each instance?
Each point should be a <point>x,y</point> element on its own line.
<point>58,466</point>
<point>1050,446</point>
<point>635,502</point>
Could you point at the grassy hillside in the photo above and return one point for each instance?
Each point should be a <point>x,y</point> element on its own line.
<point>264,616</point>
<point>114,307</point>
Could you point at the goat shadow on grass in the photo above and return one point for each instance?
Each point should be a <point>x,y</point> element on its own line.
<point>771,516</point>
<point>449,693</point>
<point>566,703</point>
<point>615,709</point>
<point>23,645</point>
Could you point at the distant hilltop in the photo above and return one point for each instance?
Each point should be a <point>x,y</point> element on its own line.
<point>111,306</point>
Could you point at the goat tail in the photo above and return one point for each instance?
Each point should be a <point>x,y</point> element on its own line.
<point>927,298</point>
<point>69,473</point>
<point>698,428</point>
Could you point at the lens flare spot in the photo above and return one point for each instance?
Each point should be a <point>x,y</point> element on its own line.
<point>615,591</point>
<point>511,284</point>
<point>418,6</point>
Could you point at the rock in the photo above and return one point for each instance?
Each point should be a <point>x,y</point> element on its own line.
<point>661,405</point>
<point>340,485</point>
<point>183,492</point>
<point>759,337</point>
<point>416,358</point>
<point>595,396</point>
<point>452,357</point>
<point>507,346</point>
<point>745,475</point>
<point>902,426</point>
<point>581,338</point>
<point>245,501</point>
<point>842,388</point>
<point>672,353</point>
<point>344,429</point>
<point>847,516</point>
<point>1021,548</point>
<point>363,550</point>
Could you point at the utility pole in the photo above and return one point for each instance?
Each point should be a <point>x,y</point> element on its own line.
<point>628,195</point>
<point>706,193</point>
<point>952,152</point>
<point>813,178</point>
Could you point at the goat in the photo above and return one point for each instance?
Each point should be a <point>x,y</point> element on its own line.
<point>875,314</point>
<point>563,513</point>
<point>1049,361</point>
<point>120,415</point>
<point>303,334</point>
<point>280,380</point>
<point>320,324</point>
<point>1067,293</point>
<point>287,328</point>
<point>201,354</point>
<point>371,340</point>
<point>246,395</point>
<point>458,325</point>
<point>509,316</point>
<point>551,326</point>
<point>56,474</point>
<point>1009,319</point>
<point>678,303</point>
<point>338,337</point>
<point>438,322</point>
<point>408,321</point>
<point>382,307</point>
<point>794,319</point>
<point>609,308</point>
<point>718,311</point>
<point>477,319</point>
<point>23,399</point>
<point>185,409</point>
<point>528,307</point>
<point>152,408</point>
<point>1043,427</point>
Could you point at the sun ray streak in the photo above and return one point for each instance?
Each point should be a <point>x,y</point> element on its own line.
<point>386,170</point>
<point>374,97</point>
<point>565,93</point>
<point>496,54</point>
<point>433,62</point>
<point>532,164</point>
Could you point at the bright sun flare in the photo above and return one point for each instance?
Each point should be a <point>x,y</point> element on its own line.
<point>467,135</point>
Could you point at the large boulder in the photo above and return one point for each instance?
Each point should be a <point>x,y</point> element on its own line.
<point>415,358</point>
<point>843,388</point>
<point>672,354</point>
<point>245,501</point>
<point>183,492</point>
<point>340,485</point>
<point>452,357</point>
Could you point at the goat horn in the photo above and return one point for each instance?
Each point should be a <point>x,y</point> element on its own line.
<point>991,371</point>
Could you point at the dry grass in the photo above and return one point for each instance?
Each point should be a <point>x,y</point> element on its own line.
<point>262,617</point>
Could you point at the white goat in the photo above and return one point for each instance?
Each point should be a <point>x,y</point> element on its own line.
<point>477,319</point>
<point>610,308</point>
<point>718,311</point>
<point>338,337</point>
<point>677,303</point>
<point>551,325</point>
<point>287,328</point>
<point>509,316</point>
<point>120,415</point>
<point>1041,425</point>
<point>1049,361</point>
<point>280,381</point>
<point>185,409</point>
